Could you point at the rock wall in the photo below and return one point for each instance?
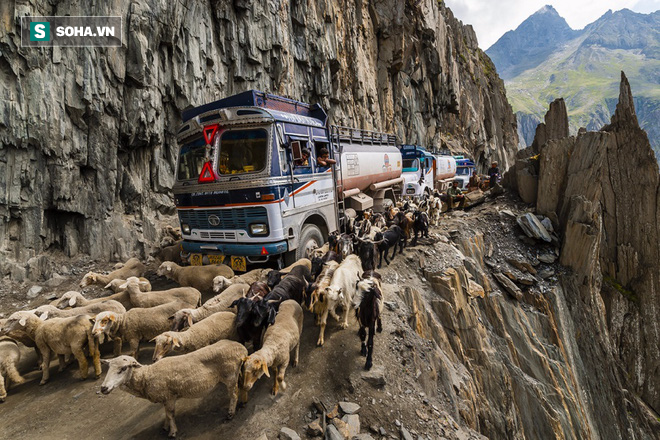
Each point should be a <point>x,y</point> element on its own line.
<point>87,146</point>
<point>602,192</point>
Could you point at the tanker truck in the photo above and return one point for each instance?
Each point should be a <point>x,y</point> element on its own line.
<point>424,172</point>
<point>249,185</point>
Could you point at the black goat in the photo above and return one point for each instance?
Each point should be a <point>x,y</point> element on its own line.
<point>248,325</point>
<point>390,238</point>
<point>368,303</point>
<point>292,286</point>
<point>420,225</point>
<point>318,262</point>
<point>345,245</point>
<point>366,250</point>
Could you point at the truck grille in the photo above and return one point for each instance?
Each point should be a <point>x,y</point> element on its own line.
<point>235,218</point>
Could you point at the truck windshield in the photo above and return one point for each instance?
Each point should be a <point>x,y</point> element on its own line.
<point>463,171</point>
<point>191,160</point>
<point>243,151</point>
<point>409,165</point>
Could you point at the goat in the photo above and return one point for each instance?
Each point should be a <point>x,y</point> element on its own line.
<point>420,225</point>
<point>340,291</point>
<point>317,263</point>
<point>368,304</point>
<point>186,376</point>
<point>390,239</point>
<point>366,250</point>
<point>345,245</point>
<point>435,207</point>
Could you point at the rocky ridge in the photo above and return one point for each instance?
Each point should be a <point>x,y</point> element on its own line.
<point>87,137</point>
<point>601,191</point>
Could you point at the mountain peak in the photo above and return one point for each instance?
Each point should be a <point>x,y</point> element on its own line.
<point>547,9</point>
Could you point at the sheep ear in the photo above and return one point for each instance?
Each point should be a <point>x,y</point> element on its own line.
<point>264,367</point>
<point>44,316</point>
<point>22,321</point>
<point>234,304</point>
<point>176,342</point>
<point>72,301</point>
<point>92,319</point>
<point>105,362</point>
<point>124,286</point>
<point>144,284</point>
<point>108,286</point>
<point>111,317</point>
<point>190,320</point>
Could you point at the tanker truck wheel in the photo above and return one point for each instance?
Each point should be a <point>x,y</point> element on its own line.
<point>310,239</point>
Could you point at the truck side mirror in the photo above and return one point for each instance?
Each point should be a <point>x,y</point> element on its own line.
<point>296,150</point>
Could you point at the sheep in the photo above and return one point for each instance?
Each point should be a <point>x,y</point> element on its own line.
<point>19,335</point>
<point>115,285</point>
<point>280,339</point>
<point>368,305</point>
<point>10,355</point>
<point>219,303</point>
<point>199,277</point>
<point>76,299</point>
<point>216,327</point>
<point>186,376</point>
<point>49,311</point>
<point>340,291</point>
<point>169,252</point>
<point>63,336</point>
<point>319,300</point>
<point>156,298</point>
<point>220,282</point>
<point>132,268</point>
<point>135,325</point>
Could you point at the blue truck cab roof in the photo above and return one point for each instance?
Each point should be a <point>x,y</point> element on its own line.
<point>256,98</point>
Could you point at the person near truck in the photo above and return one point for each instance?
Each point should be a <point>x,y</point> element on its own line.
<point>454,194</point>
<point>494,173</point>
<point>323,158</point>
<point>474,182</point>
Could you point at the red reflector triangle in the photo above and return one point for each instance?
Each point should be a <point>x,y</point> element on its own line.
<point>264,251</point>
<point>209,132</point>
<point>207,174</point>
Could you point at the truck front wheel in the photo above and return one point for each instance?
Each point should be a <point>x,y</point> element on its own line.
<point>310,239</point>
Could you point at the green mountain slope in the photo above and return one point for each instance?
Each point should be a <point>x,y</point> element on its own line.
<point>585,71</point>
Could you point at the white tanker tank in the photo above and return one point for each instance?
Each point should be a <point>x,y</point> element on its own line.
<point>445,168</point>
<point>369,168</point>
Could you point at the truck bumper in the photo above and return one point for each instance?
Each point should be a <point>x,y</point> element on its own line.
<point>244,250</point>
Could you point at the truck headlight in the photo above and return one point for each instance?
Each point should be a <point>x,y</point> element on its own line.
<point>258,229</point>
<point>185,229</point>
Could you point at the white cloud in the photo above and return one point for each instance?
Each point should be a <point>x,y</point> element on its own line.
<point>491,19</point>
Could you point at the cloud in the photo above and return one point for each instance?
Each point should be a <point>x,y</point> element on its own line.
<point>491,19</point>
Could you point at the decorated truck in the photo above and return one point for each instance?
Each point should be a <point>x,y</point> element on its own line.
<point>253,184</point>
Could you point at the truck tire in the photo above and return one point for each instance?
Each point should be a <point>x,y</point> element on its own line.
<point>310,238</point>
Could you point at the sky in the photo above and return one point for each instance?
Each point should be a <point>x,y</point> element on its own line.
<point>493,18</point>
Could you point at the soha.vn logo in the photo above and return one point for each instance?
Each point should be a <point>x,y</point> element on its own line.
<point>40,31</point>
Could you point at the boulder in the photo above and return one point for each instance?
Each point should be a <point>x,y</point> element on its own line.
<point>509,286</point>
<point>352,422</point>
<point>288,434</point>
<point>533,228</point>
<point>331,433</point>
<point>349,407</point>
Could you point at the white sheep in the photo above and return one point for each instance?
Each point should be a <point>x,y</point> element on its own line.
<point>219,303</point>
<point>186,376</point>
<point>215,328</point>
<point>49,311</point>
<point>76,299</point>
<point>62,336</point>
<point>115,285</point>
<point>135,325</point>
<point>132,268</point>
<point>220,282</point>
<point>156,298</point>
<point>10,355</point>
<point>199,277</point>
<point>280,339</point>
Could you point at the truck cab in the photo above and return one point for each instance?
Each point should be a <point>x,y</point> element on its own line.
<point>418,171</point>
<point>464,169</point>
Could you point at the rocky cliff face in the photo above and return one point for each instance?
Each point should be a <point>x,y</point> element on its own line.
<point>601,191</point>
<point>87,146</point>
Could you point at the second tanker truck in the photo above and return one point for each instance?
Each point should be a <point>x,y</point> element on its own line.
<point>250,187</point>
